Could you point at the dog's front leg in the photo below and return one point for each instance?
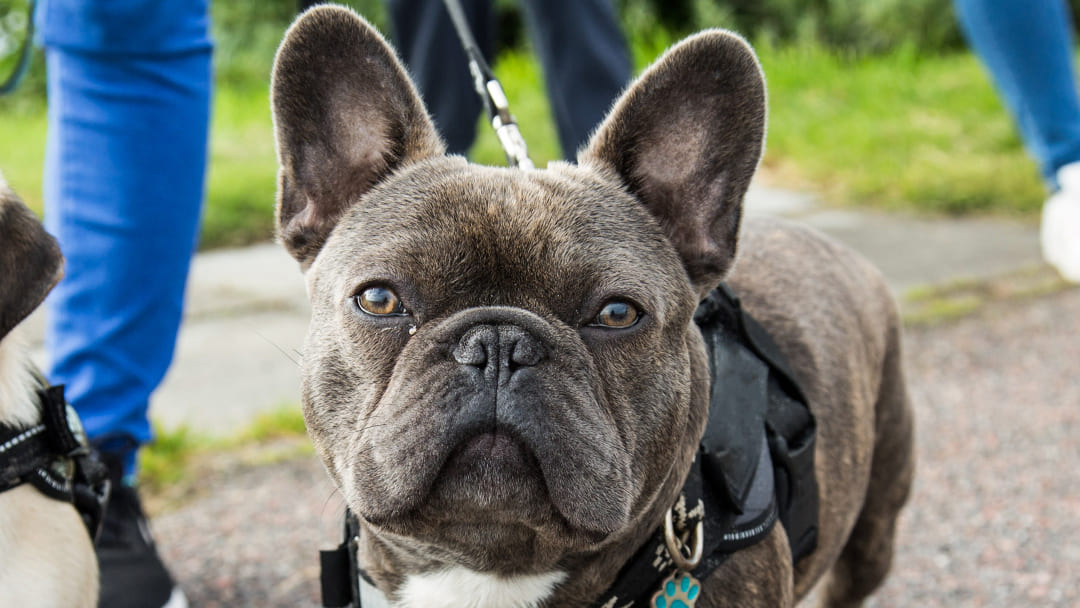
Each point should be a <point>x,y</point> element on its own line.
<point>756,577</point>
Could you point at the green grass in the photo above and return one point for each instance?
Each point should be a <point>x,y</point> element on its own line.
<point>165,461</point>
<point>242,172</point>
<point>22,148</point>
<point>897,131</point>
<point>933,304</point>
<point>284,422</point>
<point>178,455</point>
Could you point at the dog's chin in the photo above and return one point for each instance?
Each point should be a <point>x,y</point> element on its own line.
<point>489,505</point>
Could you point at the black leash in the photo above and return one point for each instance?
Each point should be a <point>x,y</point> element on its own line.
<point>491,92</point>
<point>22,64</point>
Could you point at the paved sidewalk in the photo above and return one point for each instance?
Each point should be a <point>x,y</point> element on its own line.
<point>247,308</point>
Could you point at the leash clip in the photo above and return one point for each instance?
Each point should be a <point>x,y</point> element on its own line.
<point>517,154</point>
<point>491,92</point>
<point>506,129</point>
<point>675,545</point>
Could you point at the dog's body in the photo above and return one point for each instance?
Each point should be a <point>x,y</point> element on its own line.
<point>502,374</point>
<point>46,557</point>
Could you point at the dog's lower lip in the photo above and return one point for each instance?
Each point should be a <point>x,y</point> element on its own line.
<point>497,453</point>
<point>495,446</point>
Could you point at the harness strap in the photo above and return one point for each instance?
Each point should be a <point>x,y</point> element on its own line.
<point>791,430</point>
<point>21,450</point>
<point>55,458</point>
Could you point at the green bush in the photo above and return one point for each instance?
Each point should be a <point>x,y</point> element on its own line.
<point>853,25</point>
<point>13,29</point>
<point>247,33</point>
<point>861,26</point>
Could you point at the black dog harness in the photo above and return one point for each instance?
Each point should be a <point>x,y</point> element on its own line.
<point>54,457</point>
<point>754,466</point>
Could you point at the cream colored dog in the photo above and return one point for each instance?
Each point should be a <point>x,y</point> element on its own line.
<point>46,556</point>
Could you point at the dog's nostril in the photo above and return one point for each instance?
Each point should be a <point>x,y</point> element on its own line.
<point>526,352</point>
<point>474,346</point>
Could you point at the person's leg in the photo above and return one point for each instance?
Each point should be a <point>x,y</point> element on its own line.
<point>125,162</point>
<point>1027,48</point>
<point>586,62</point>
<point>124,170</point>
<point>429,45</point>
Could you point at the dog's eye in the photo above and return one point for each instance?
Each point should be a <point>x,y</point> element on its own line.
<point>617,314</point>
<point>381,302</point>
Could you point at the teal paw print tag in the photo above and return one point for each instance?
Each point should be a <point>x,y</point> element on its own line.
<point>680,590</point>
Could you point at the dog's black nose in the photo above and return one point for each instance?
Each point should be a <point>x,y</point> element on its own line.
<point>498,347</point>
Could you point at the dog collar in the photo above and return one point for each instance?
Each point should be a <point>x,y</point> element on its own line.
<point>754,467</point>
<point>55,457</point>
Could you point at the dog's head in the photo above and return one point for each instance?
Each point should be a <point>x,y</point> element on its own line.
<point>501,367</point>
<point>30,261</point>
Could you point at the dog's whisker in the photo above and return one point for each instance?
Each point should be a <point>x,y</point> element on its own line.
<point>296,361</point>
<point>329,497</point>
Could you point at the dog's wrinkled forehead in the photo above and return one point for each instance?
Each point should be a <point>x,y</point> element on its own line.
<point>491,233</point>
<point>355,141</point>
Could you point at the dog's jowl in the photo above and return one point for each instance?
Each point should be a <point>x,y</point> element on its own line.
<point>503,374</point>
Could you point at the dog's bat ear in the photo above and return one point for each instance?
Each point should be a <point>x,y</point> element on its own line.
<point>686,138</point>
<point>30,261</point>
<point>345,116</point>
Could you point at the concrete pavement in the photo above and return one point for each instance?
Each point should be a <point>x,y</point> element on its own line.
<point>241,340</point>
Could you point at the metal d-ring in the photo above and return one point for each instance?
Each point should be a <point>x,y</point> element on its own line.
<point>675,546</point>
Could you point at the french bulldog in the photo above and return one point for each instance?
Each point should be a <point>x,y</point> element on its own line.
<point>502,375</point>
<point>46,556</point>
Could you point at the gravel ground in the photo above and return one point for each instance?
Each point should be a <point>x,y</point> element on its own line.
<point>992,521</point>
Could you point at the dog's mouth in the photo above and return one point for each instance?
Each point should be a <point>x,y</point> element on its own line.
<point>491,470</point>
<point>495,453</point>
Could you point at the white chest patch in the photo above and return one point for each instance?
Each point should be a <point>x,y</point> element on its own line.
<point>463,588</point>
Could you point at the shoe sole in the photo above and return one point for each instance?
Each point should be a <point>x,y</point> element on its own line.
<point>177,599</point>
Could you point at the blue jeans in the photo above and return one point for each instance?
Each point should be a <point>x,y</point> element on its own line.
<point>1027,46</point>
<point>125,162</point>
<point>583,53</point>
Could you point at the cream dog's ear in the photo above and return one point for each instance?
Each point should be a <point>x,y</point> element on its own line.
<point>30,261</point>
<point>346,115</point>
<point>686,138</point>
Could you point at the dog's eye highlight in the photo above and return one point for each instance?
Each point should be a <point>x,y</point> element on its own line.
<point>381,302</point>
<point>617,314</point>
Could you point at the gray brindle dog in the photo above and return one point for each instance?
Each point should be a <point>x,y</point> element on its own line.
<point>502,374</point>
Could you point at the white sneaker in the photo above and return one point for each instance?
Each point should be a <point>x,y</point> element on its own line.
<point>1060,232</point>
